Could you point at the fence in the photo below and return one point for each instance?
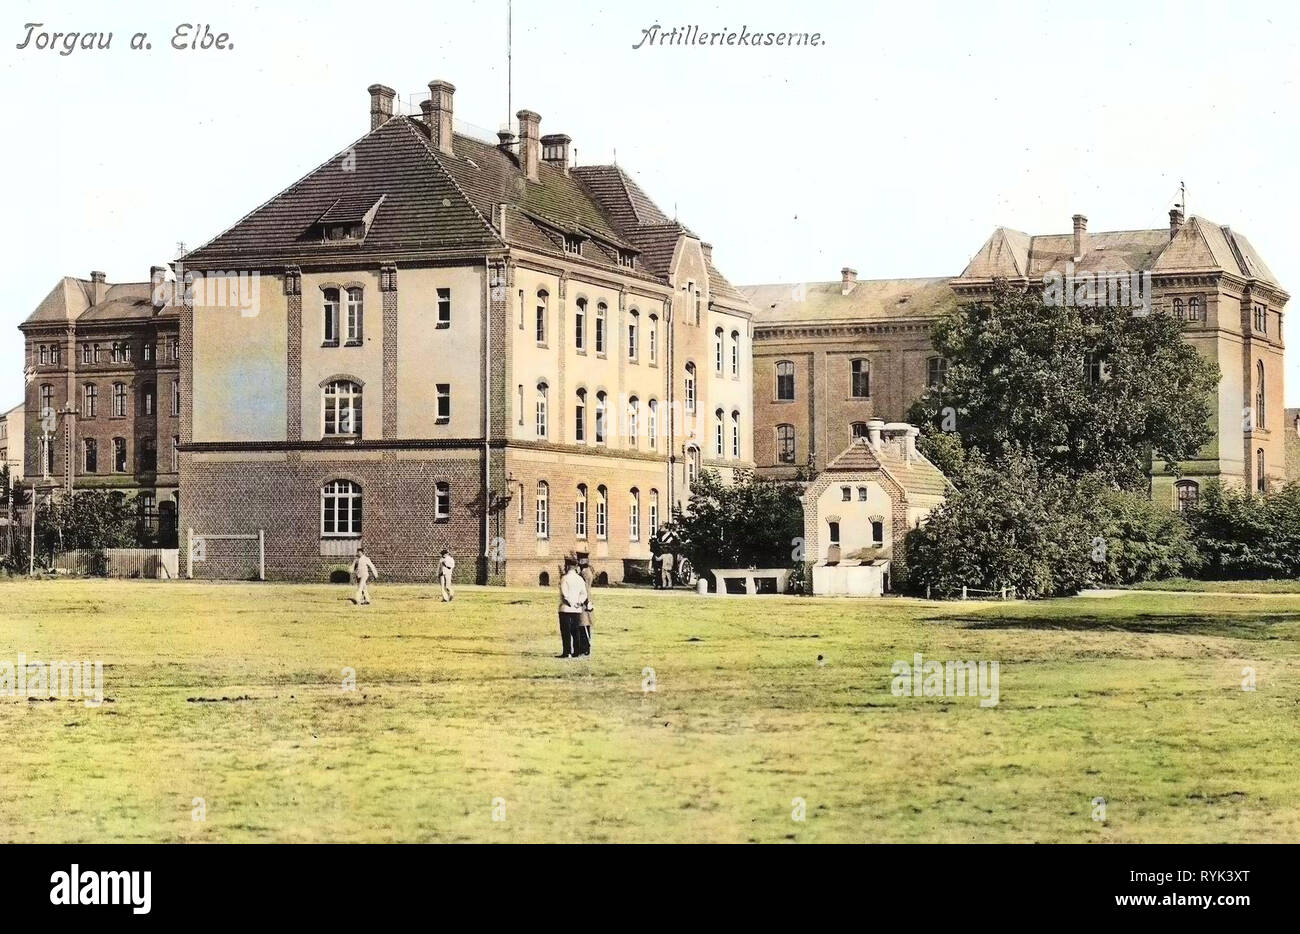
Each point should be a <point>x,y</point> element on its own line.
<point>972,593</point>
<point>153,563</point>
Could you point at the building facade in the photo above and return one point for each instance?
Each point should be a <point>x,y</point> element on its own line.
<point>829,356</point>
<point>441,341</point>
<point>103,401</point>
<point>11,440</point>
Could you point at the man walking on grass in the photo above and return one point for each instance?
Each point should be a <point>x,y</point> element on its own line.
<point>445,567</point>
<point>363,569</point>
<point>573,598</point>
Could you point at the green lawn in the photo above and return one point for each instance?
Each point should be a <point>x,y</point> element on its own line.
<point>232,693</point>
<point>1200,586</point>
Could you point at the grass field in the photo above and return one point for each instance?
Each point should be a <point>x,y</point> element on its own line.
<point>233,693</point>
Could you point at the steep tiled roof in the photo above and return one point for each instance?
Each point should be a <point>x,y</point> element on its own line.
<point>420,199</point>
<point>869,299</point>
<point>914,474</point>
<point>1200,245</point>
<point>70,300</point>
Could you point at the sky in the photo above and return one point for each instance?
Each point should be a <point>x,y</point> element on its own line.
<point>895,146</point>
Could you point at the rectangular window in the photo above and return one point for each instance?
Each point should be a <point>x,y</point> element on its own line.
<point>634,518</point>
<point>860,387</point>
<point>444,403</point>
<point>354,314</point>
<point>785,381</point>
<point>85,353</point>
<point>119,400</point>
<point>600,331</point>
<point>631,338</point>
<point>148,351</point>
<point>176,397</point>
<point>580,326</point>
<point>176,453</point>
<point>91,462</point>
<point>45,354</point>
<point>653,338</point>
<point>444,308</point>
<point>175,345</point>
<point>90,400</point>
<point>442,501</point>
<point>119,455</point>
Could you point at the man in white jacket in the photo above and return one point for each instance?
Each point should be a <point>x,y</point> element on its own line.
<point>363,569</point>
<point>573,598</point>
<point>445,566</point>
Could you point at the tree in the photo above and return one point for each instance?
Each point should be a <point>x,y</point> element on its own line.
<point>748,523</point>
<point>1083,390</point>
<point>89,519</point>
<point>1245,535</point>
<point>1009,523</point>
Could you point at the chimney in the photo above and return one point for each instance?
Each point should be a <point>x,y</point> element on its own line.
<point>438,115</point>
<point>848,280</point>
<point>555,151</point>
<point>158,287</point>
<point>1175,222</point>
<point>529,153</point>
<point>1080,236</point>
<point>98,287</point>
<point>874,427</point>
<point>506,140</point>
<point>707,250</point>
<point>381,105</point>
<point>909,445</point>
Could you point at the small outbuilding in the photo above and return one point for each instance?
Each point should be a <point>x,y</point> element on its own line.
<point>857,511</point>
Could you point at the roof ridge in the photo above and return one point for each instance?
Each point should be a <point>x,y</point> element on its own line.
<point>433,153</point>
<point>298,181</point>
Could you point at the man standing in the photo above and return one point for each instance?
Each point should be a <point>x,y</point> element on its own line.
<point>666,570</point>
<point>573,597</point>
<point>584,622</point>
<point>445,567</point>
<point>363,569</point>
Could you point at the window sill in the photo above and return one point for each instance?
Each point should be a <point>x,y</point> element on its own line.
<point>783,401</point>
<point>442,325</point>
<point>352,343</point>
<point>442,420</point>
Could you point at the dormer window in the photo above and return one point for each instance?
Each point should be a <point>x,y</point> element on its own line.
<point>626,259</point>
<point>573,244</point>
<point>348,219</point>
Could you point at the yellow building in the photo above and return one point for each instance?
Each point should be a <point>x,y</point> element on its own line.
<point>438,341</point>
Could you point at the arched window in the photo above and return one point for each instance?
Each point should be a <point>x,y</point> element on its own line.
<point>735,433</point>
<point>600,417</point>
<point>735,353</point>
<point>785,444</point>
<point>1178,309</point>
<point>602,513</point>
<point>634,515</point>
<point>633,413</point>
<point>1194,308</point>
<point>936,370</point>
<point>785,381</point>
<point>330,316</point>
<point>652,423</point>
<point>90,458</point>
<point>580,512</point>
<point>89,400</point>
<point>717,350</point>
<point>858,430</point>
<point>352,333</point>
<point>580,417</point>
<point>343,408</point>
<point>877,533</point>
<point>860,380</point>
<point>119,400</point>
<point>633,337</point>
<point>1260,410</point>
<point>441,500</point>
<point>1187,494</point>
<point>543,509</point>
<point>692,464</point>
<point>541,316</point>
<point>1261,480</point>
<point>601,310</point>
<point>690,387</point>
<point>340,509</point>
<point>654,513</point>
<point>652,340</point>
<point>47,399</point>
<point>580,324</point>
<point>541,410</point>
<point>717,434</point>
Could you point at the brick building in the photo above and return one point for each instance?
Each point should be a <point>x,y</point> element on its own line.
<point>102,406</point>
<point>446,341</point>
<point>829,356</point>
<point>11,440</point>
